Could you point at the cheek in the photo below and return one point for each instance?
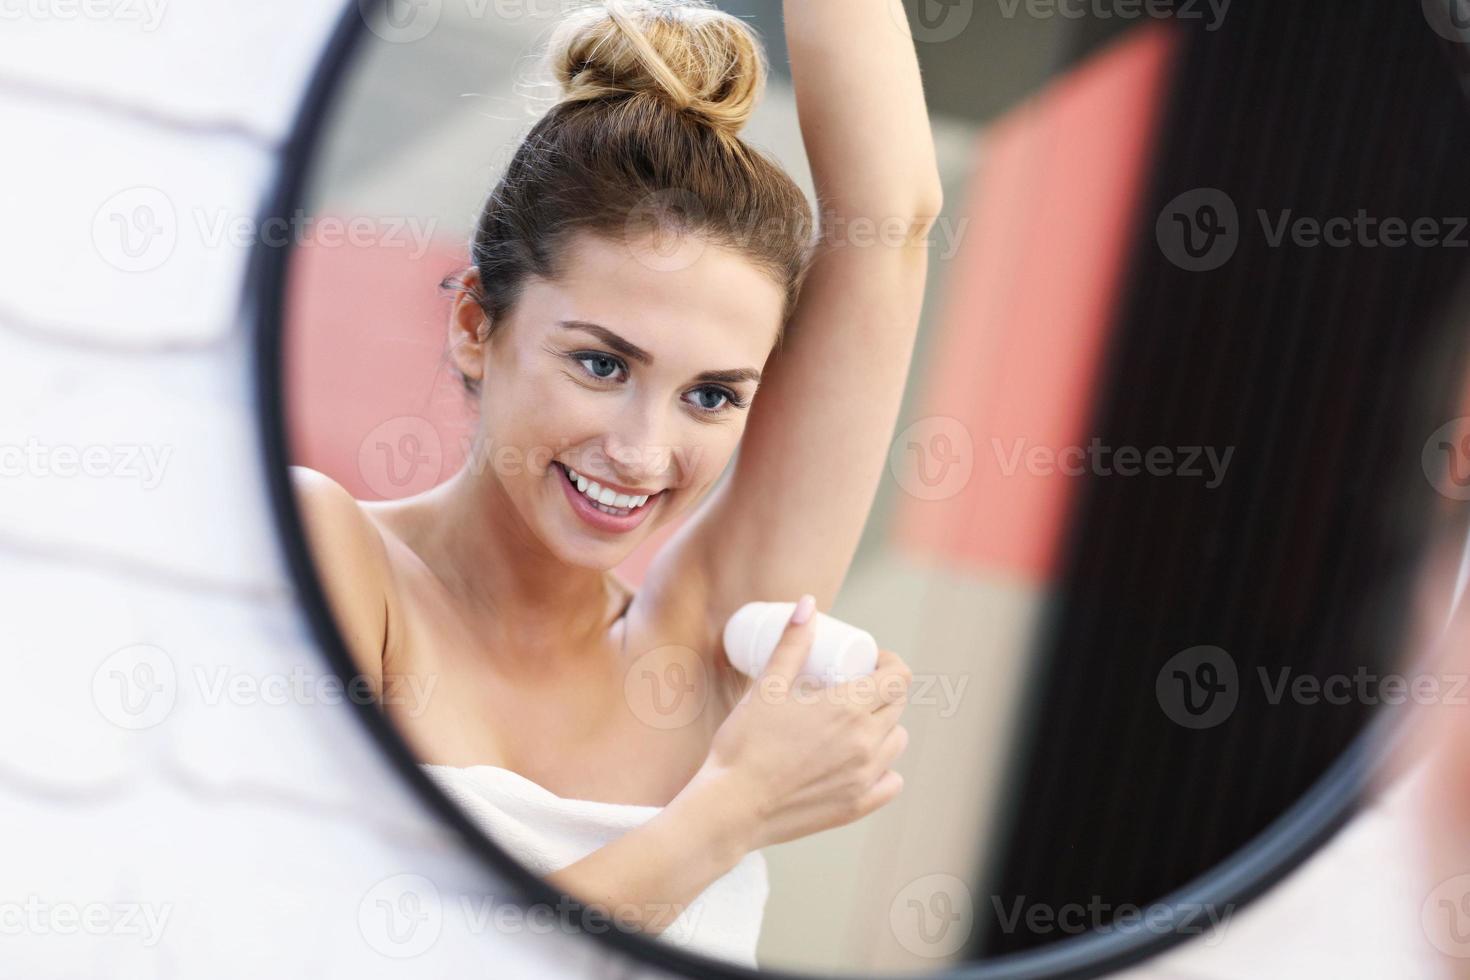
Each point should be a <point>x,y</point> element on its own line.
<point>533,408</point>
<point>709,456</point>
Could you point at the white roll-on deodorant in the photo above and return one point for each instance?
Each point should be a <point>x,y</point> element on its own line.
<point>840,651</point>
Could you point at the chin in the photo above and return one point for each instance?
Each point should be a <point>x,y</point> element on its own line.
<point>580,546</point>
<point>592,555</point>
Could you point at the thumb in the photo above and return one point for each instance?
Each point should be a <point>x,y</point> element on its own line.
<point>795,644</point>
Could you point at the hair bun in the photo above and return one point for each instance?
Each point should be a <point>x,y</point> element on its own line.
<point>683,52</point>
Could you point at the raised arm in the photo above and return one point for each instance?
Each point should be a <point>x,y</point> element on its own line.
<point>788,517</point>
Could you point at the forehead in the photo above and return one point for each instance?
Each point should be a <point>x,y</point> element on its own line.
<point>685,295</point>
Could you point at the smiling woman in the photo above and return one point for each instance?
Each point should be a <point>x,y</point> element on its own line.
<point>637,377</point>
<point>645,297</point>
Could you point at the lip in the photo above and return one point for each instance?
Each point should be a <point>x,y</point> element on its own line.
<point>600,520</point>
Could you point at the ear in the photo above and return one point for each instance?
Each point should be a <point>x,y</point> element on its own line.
<point>469,328</point>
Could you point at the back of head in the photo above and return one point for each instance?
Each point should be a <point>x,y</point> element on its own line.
<point>654,95</point>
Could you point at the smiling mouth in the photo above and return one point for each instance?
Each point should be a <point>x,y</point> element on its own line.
<point>605,499</point>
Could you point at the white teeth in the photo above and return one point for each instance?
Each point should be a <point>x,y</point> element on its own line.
<point>606,496</point>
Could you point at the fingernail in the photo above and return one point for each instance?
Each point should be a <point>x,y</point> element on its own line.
<point>805,606</point>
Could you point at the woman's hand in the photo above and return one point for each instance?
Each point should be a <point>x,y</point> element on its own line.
<point>802,756</point>
<point>793,758</point>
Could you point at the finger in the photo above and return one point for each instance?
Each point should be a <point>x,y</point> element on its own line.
<point>890,710</point>
<point>795,644</point>
<point>889,681</point>
<point>892,746</point>
<point>891,664</point>
<point>886,658</point>
<point>883,790</point>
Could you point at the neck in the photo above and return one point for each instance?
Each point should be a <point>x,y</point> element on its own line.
<point>528,603</point>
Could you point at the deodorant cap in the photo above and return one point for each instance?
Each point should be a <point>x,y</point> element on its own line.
<point>840,651</point>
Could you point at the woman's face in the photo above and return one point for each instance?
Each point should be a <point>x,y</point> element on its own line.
<point>630,379</point>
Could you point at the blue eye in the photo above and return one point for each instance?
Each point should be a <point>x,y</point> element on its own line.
<point>723,397</point>
<point>595,364</point>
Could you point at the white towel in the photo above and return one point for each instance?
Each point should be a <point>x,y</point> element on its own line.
<point>546,832</point>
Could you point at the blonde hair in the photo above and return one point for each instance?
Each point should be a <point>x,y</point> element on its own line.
<point>654,94</point>
<point>686,54</point>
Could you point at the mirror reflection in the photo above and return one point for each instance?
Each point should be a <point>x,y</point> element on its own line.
<point>775,495</point>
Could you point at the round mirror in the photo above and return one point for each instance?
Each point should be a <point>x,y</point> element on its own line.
<point>1098,374</point>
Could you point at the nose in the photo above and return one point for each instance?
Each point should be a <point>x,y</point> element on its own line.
<point>637,445</point>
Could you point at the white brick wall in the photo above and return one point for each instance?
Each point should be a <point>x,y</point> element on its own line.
<point>155,824</point>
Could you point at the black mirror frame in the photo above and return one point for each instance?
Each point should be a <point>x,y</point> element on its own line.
<point>1271,856</point>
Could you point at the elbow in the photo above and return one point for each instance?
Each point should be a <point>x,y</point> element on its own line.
<point>926,211</point>
<point>930,200</point>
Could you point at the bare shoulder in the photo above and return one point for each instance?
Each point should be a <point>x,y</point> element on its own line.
<point>352,563</point>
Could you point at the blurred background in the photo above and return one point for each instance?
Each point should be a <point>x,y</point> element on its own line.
<point>1040,609</point>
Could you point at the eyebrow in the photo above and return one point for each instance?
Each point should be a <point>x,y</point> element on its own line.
<point>633,352</point>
